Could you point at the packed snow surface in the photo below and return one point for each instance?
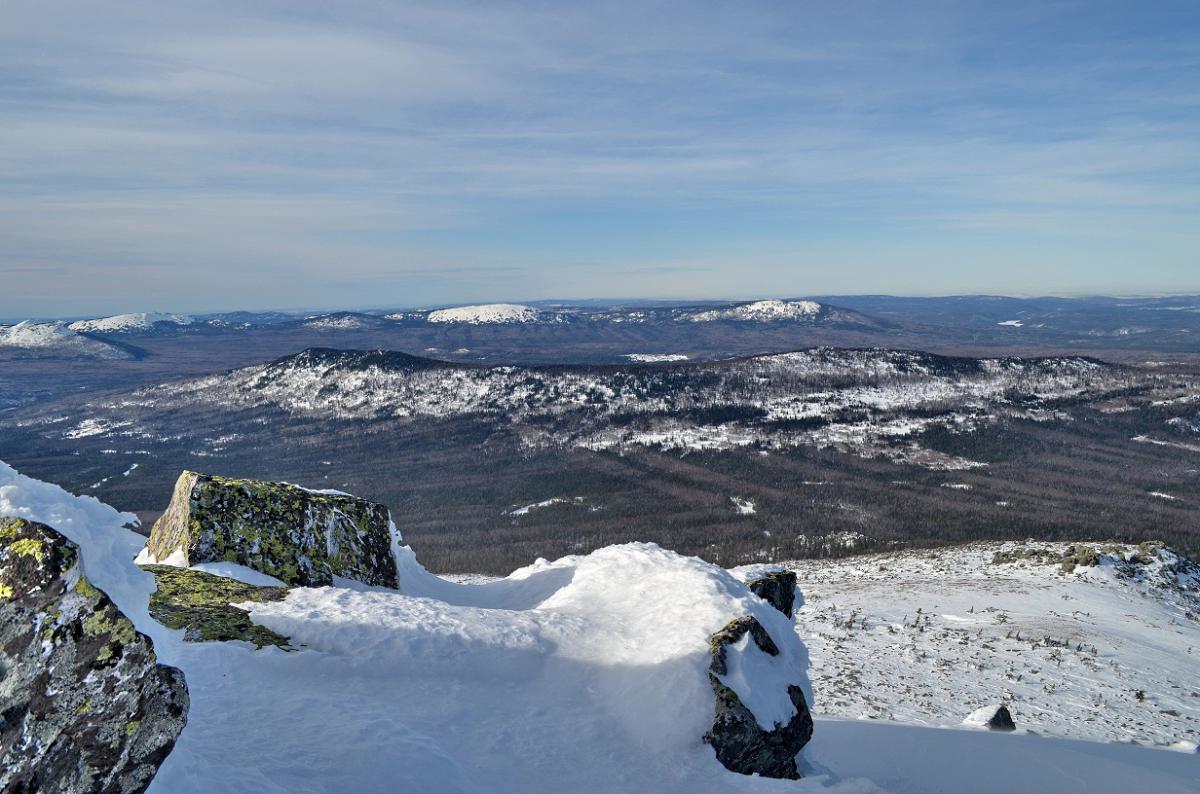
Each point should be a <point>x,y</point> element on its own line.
<point>765,310</point>
<point>485,314</point>
<point>139,321</point>
<point>927,637</point>
<point>56,338</point>
<point>584,674</point>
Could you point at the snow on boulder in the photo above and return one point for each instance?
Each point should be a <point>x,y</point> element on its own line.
<point>615,649</point>
<point>485,314</point>
<point>994,718</point>
<point>84,706</point>
<point>755,730</point>
<point>299,536</point>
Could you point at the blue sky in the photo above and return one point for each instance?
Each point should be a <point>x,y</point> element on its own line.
<point>192,156</point>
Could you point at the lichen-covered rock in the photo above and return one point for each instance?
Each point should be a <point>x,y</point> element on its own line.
<point>741,744</point>
<point>777,588</point>
<point>300,536</point>
<point>84,706</point>
<point>201,604</point>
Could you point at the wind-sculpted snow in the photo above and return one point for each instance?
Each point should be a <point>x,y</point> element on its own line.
<point>823,397</point>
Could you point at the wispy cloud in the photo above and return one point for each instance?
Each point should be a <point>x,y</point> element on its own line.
<point>475,150</point>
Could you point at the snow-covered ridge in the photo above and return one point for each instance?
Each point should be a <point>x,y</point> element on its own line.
<point>861,400</point>
<point>584,674</point>
<point>655,358</point>
<point>485,314</point>
<point>342,322</point>
<point>763,311</point>
<point>56,338</point>
<point>140,321</point>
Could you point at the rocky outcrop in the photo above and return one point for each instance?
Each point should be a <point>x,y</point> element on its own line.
<point>777,588</point>
<point>300,536</point>
<point>994,718</point>
<point>84,707</point>
<point>202,605</point>
<point>741,744</point>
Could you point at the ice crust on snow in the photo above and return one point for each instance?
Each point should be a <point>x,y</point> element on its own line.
<point>575,675</point>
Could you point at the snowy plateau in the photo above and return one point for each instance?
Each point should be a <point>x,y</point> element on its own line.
<point>485,314</point>
<point>139,321</point>
<point>56,339</point>
<point>762,310</point>
<point>588,673</point>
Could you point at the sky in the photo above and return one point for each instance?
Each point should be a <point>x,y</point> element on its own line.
<point>201,156</point>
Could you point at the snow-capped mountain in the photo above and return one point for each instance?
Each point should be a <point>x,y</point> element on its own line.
<point>762,311</point>
<point>56,339</point>
<point>485,314</point>
<point>340,321</point>
<point>126,323</point>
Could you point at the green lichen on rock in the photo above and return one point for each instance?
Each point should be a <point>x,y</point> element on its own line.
<point>741,744</point>
<point>201,604</point>
<point>298,536</point>
<point>1025,553</point>
<point>1071,558</point>
<point>1077,556</point>
<point>74,675</point>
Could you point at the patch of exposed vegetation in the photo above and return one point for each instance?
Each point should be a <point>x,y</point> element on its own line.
<point>201,604</point>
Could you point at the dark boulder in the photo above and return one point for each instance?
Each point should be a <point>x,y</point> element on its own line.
<point>741,744</point>
<point>84,706</point>
<point>994,718</point>
<point>778,588</point>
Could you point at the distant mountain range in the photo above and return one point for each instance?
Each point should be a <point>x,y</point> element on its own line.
<point>1173,321</point>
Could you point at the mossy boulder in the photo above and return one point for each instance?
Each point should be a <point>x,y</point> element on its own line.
<point>778,588</point>
<point>302,537</point>
<point>741,744</point>
<point>202,605</point>
<point>84,705</point>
